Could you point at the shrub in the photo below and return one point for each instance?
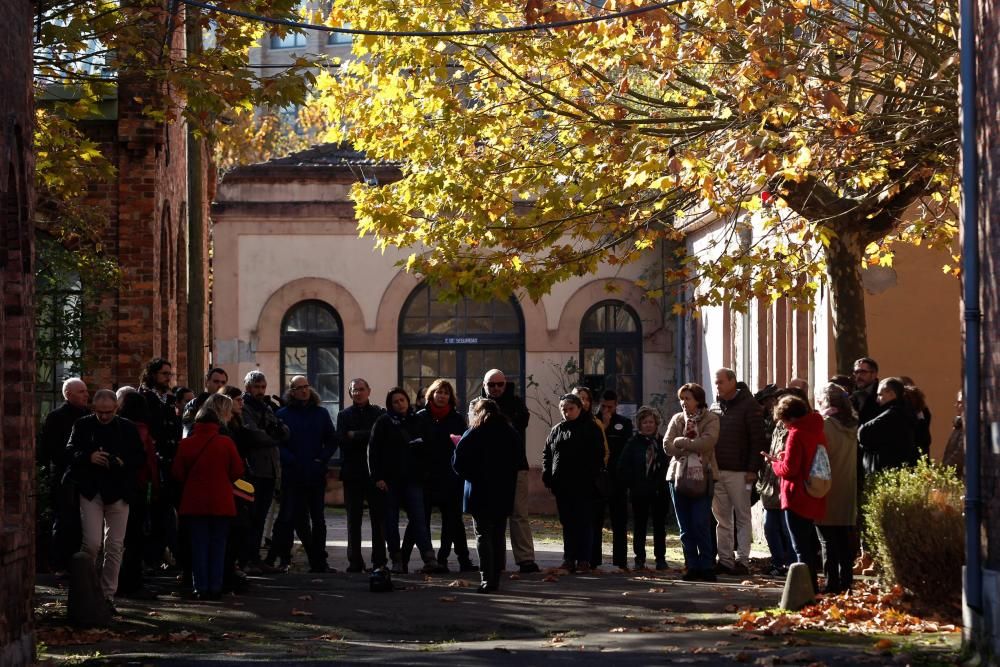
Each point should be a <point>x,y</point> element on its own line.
<point>915,529</point>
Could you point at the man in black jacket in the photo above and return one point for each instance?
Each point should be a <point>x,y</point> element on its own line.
<point>495,386</point>
<point>617,431</point>
<point>65,501</point>
<point>864,398</point>
<point>354,429</point>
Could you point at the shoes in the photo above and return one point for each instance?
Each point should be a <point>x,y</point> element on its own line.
<point>582,567</point>
<point>467,566</point>
<point>398,567</point>
<point>434,567</point>
<point>443,567</point>
<point>111,607</point>
<point>567,565</point>
<point>354,568</point>
<point>639,564</point>
<point>741,569</point>
<point>269,568</point>
<point>724,569</point>
<point>691,575</point>
<point>708,575</point>
<point>529,567</point>
<point>485,587</point>
<point>661,564</point>
<point>775,571</point>
<point>322,568</point>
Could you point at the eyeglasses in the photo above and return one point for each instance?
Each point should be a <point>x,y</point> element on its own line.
<point>495,384</point>
<point>301,386</point>
<point>863,371</point>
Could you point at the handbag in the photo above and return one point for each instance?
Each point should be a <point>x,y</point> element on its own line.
<point>692,478</point>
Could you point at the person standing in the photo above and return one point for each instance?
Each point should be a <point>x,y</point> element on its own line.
<point>737,453</point>
<point>497,388</point>
<point>440,422</point>
<point>802,510</point>
<point>206,465</point>
<point>864,398</point>
<point>889,441</point>
<point>138,530</point>
<point>63,497</point>
<point>215,380</point>
<point>779,542</point>
<point>311,443</point>
<point>693,430</point>
<point>840,426</point>
<point>571,462</point>
<point>105,453</point>
<point>617,431</point>
<point>354,429</point>
<point>488,458</point>
<point>263,460</point>
<point>602,480</point>
<point>641,476</point>
<point>395,463</point>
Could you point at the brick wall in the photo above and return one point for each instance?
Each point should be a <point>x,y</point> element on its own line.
<point>17,451</point>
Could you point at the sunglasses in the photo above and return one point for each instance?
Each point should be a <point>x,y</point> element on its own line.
<point>495,384</point>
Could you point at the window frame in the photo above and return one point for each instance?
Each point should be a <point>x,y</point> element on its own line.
<point>312,342</point>
<point>610,341</point>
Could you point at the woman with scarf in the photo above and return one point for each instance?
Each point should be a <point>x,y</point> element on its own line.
<point>571,462</point>
<point>642,469</point>
<point>691,438</point>
<point>836,529</point>
<point>396,464</point>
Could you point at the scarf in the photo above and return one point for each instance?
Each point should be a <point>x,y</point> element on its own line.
<point>691,423</point>
<point>438,413</point>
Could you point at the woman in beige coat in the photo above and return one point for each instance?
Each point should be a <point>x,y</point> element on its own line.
<point>840,425</point>
<point>691,435</point>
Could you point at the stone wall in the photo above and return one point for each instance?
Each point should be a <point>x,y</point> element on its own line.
<point>17,414</point>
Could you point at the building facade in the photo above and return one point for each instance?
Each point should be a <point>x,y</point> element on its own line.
<point>17,407</point>
<point>297,291</point>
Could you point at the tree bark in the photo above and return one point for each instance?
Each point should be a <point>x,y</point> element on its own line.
<point>847,295</point>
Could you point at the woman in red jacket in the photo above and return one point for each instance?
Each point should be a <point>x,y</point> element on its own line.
<point>805,433</point>
<point>207,464</point>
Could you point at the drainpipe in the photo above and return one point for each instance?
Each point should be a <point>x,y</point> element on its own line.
<point>970,276</point>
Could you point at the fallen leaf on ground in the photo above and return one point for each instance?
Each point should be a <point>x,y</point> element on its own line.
<point>515,576</point>
<point>671,620</point>
<point>329,637</point>
<point>884,644</point>
<point>618,630</point>
<point>447,598</point>
<point>301,612</point>
<point>459,583</point>
<point>306,597</point>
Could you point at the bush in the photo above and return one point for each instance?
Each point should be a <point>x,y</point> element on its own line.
<point>915,529</point>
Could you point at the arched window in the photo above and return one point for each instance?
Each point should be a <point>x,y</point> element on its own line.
<point>459,341</point>
<point>312,344</point>
<point>611,353</point>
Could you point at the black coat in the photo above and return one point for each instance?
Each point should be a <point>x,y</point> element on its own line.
<point>632,472</point>
<point>487,458</point>
<point>866,404</point>
<point>164,425</point>
<point>396,450</point>
<point>265,433</point>
<point>513,408</point>
<point>439,449</point>
<point>55,436</point>
<point>354,430</point>
<point>573,456</point>
<point>888,440</point>
<point>120,439</point>
<point>618,432</point>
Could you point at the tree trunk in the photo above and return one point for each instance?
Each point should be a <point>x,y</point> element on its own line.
<point>847,294</point>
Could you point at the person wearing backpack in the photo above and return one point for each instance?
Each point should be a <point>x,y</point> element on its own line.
<point>802,509</point>
<point>840,425</point>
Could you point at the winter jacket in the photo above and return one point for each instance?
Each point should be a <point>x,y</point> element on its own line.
<point>804,436</point>
<point>267,432</point>
<point>354,430</point>
<point>842,447</point>
<point>768,484</point>
<point>513,408</point>
<point>741,433</point>
<point>887,441</point>
<point>120,439</point>
<point>55,436</point>
<point>312,440</point>
<point>439,450</point>
<point>207,464</point>
<point>487,458</point>
<point>704,443</point>
<point>396,450</point>
<point>634,471</point>
<point>617,432</point>
<point>866,404</point>
<point>164,424</point>
<point>573,456</point>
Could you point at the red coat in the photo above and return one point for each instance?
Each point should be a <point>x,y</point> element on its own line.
<point>207,464</point>
<point>793,468</point>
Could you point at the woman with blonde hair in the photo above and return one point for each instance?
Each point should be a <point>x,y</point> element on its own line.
<point>207,464</point>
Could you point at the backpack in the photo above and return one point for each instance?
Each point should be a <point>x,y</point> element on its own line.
<point>820,477</point>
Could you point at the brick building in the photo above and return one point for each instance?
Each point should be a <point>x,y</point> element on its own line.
<point>17,506</point>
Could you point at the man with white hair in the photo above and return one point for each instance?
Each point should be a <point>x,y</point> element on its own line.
<point>512,407</point>
<point>64,500</point>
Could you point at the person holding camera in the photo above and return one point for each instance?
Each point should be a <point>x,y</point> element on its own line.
<point>105,453</point>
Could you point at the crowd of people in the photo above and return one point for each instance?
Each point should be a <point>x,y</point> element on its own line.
<point>218,485</point>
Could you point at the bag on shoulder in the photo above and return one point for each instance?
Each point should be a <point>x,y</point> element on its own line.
<point>692,478</point>
<point>820,474</point>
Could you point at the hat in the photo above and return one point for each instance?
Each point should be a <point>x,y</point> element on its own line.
<point>767,392</point>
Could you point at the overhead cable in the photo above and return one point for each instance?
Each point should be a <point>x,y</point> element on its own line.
<point>299,25</point>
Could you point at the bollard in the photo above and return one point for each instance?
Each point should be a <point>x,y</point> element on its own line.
<point>85,604</point>
<point>798,588</point>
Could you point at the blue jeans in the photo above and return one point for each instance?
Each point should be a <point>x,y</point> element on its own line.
<point>779,542</point>
<point>576,514</point>
<point>411,498</point>
<point>694,519</point>
<point>208,551</point>
<point>805,542</point>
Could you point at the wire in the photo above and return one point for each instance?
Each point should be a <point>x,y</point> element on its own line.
<point>433,33</point>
